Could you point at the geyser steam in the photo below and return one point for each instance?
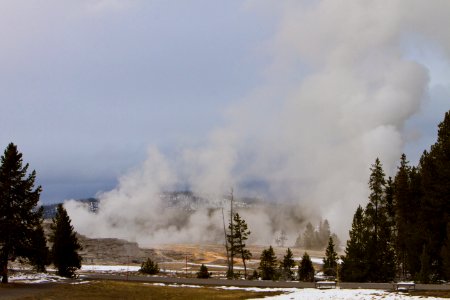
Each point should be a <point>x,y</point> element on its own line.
<point>338,92</point>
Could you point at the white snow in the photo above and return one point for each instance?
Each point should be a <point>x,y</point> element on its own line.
<point>344,294</point>
<point>317,260</point>
<point>35,278</point>
<point>335,294</point>
<point>109,268</point>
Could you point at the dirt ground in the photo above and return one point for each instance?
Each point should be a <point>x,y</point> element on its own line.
<point>174,257</point>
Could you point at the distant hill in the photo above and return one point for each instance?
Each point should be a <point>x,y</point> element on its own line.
<point>50,209</point>
<point>184,200</point>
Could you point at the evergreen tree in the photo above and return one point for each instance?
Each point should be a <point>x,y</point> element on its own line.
<point>268,265</point>
<point>19,218</point>
<point>435,211</point>
<point>287,264</point>
<point>354,264</point>
<point>39,255</point>
<point>240,234</point>
<point>445,254</point>
<point>150,267</point>
<point>381,255</point>
<point>425,266</point>
<point>415,238</point>
<point>203,273</point>
<point>390,207</point>
<point>65,244</point>
<point>324,233</point>
<point>403,212</point>
<point>330,259</point>
<point>309,236</point>
<point>337,242</point>
<point>306,269</point>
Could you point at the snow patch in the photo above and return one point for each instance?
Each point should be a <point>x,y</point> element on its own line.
<point>344,294</point>
<point>109,268</point>
<point>35,278</point>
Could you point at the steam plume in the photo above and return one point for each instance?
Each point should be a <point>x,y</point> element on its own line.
<point>337,95</point>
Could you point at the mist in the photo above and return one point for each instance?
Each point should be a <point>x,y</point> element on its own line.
<point>337,93</point>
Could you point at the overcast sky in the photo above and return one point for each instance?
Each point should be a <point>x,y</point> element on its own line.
<point>86,87</point>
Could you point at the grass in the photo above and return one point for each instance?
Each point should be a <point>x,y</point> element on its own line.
<point>132,290</point>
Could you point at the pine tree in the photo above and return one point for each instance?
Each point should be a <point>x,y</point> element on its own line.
<point>203,273</point>
<point>149,267</point>
<point>445,254</point>
<point>306,269</point>
<point>39,253</point>
<point>268,265</point>
<point>287,264</point>
<point>354,264</point>
<point>237,238</point>
<point>435,179</point>
<point>415,238</point>
<point>403,212</point>
<point>19,218</point>
<point>425,266</point>
<point>324,233</point>
<point>381,255</point>
<point>330,260</point>
<point>309,237</point>
<point>65,244</point>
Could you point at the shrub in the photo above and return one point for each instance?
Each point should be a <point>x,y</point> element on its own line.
<point>203,273</point>
<point>254,276</point>
<point>149,267</point>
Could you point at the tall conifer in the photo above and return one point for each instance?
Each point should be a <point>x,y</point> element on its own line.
<point>287,264</point>
<point>354,265</point>
<point>65,244</point>
<point>19,218</point>
<point>239,234</point>
<point>330,260</point>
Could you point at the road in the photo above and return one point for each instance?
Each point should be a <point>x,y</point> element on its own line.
<point>254,283</point>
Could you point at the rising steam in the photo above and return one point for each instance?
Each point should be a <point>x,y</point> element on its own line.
<point>337,95</point>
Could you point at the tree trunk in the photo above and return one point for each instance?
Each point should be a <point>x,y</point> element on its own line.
<point>245,268</point>
<point>4,272</point>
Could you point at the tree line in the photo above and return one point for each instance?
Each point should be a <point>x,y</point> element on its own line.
<point>316,239</point>
<point>21,222</point>
<point>404,230</point>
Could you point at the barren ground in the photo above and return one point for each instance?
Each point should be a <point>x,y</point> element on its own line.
<point>173,257</point>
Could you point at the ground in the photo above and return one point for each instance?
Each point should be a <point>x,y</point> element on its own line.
<point>99,290</point>
<point>173,257</point>
<point>120,260</point>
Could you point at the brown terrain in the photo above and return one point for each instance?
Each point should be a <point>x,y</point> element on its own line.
<point>173,258</point>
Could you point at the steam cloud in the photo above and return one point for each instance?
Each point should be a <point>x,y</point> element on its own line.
<point>337,95</point>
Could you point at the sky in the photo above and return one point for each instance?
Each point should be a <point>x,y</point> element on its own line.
<point>87,86</point>
<point>284,100</point>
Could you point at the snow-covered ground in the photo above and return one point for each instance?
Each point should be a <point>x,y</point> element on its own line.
<point>326,294</point>
<point>39,278</point>
<point>109,268</point>
<point>344,294</point>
